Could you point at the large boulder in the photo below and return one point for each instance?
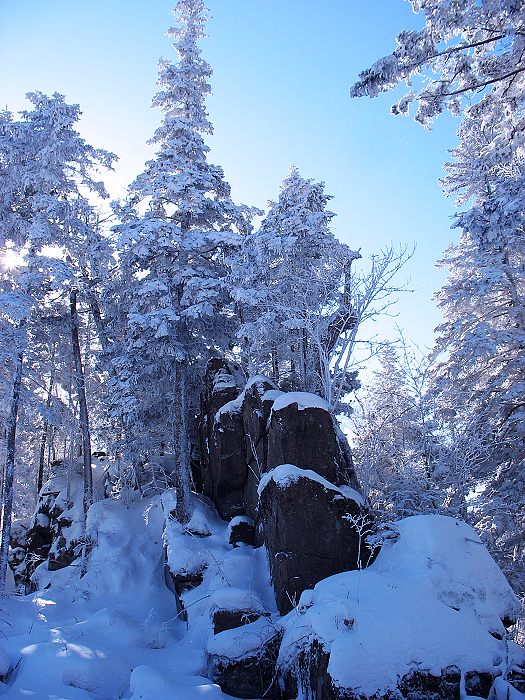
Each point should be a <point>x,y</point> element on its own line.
<point>221,437</point>
<point>259,395</point>
<point>243,660</point>
<point>312,530</point>
<point>303,432</point>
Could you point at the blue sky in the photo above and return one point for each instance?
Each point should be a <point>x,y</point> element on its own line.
<point>282,73</point>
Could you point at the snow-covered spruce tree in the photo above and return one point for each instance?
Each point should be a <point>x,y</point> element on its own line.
<point>473,54</point>
<point>467,52</point>
<point>46,169</point>
<point>479,354</point>
<point>179,227</point>
<point>289,285</point>
<point>395,444</point>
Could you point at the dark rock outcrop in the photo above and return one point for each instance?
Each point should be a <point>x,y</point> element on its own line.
<point>308,675</point>
<point>311,675</point>
<point>259,395</point>
<point>243,660</point>
<point>312,530</point>
<point>221,437</point>
<point>306,435</point>
<point>231,619</point>
<point>245,434</point>
<point>228,462</point>
<point>424,685</point>
<point>241,530</point>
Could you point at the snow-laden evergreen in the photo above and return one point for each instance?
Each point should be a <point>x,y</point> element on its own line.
<point>480,366</point>
<point>292,289</point>
<point>47,172</point>
<point>468,59</point>
<point>180,226</point>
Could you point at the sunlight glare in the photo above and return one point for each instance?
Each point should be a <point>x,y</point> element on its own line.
<point>10,259</point>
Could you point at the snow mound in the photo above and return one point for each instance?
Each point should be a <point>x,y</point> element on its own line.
<point>433,598</point>
<point>286,474</point>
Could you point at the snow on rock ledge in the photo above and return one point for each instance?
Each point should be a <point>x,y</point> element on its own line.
<point>287,474</point>
<point>302,431</point>
<point>432,600</point>
<point>303,400</point>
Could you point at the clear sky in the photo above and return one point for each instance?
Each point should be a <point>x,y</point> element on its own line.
<point>282,73</point>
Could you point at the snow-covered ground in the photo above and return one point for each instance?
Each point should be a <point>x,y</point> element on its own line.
<point>112,634</point>
<point>432,598</point>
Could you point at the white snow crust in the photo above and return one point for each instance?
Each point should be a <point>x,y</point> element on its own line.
<point>244,641</point>
<point>235,405</point>
<point>429,600</point>
<point>286,474</point>
<point>303,400</point>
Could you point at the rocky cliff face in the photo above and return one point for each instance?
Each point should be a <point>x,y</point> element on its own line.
<point>310,514</point>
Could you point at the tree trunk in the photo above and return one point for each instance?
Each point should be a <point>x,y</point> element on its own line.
<point>45,430</point>
<point>97,318</point>
<point>275,365</point>
<point>182,456</point>
<point>303,343</point>
<point>81,392</point>
<point>7,503</point>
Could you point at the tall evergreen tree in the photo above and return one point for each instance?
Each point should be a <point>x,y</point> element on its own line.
<point>179,228</point>
<point>471,58</point>
<point>289,286</point>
